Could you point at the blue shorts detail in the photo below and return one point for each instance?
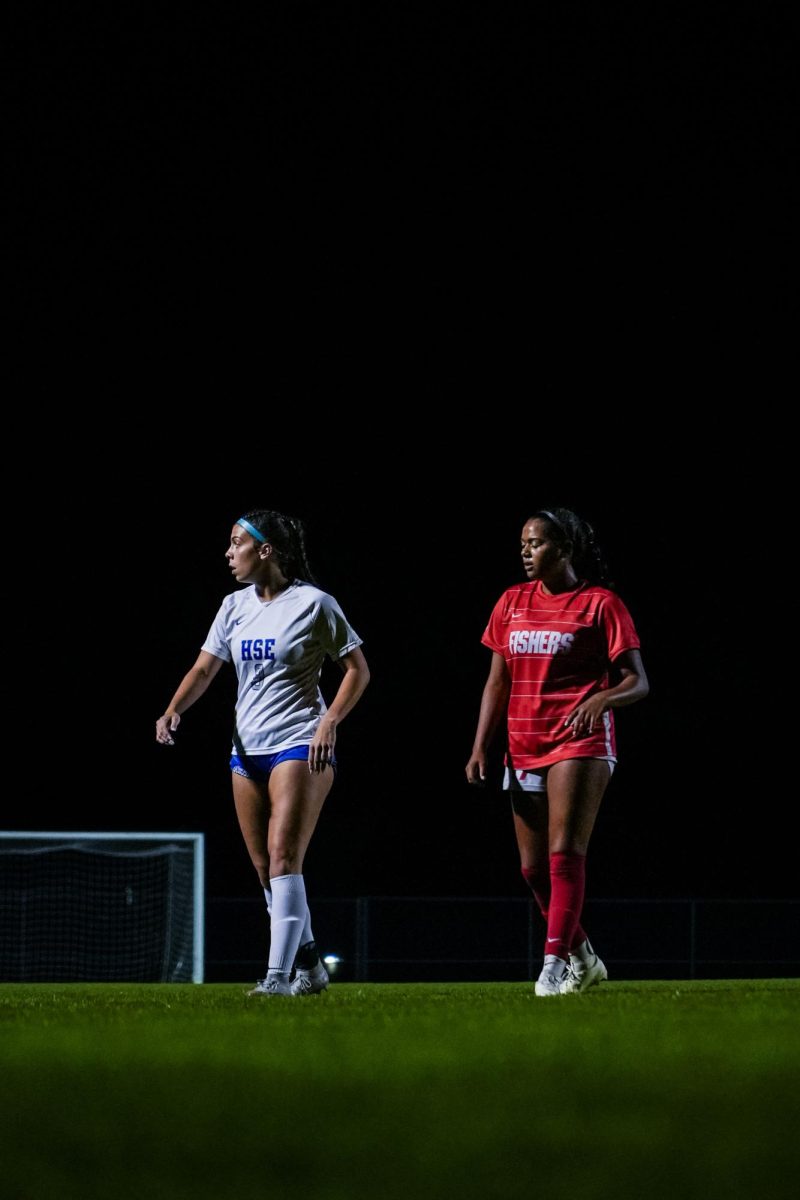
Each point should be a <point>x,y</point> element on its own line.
<point>259,766</point>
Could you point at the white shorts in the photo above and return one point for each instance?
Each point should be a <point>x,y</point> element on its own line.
<point>536,781</point>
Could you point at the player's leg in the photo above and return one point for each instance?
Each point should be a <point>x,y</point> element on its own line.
<point>252,811</point>
<point>531,827</point>
<point>296,798</point>
<point>529,810</point>
<point>575,790</point>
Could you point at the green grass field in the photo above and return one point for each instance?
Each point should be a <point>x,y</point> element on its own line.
<point>402,1091</point>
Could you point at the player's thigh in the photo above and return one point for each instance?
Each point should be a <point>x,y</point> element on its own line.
<point>296,797</point>
<point>575,788</point>
<point>252,811</point>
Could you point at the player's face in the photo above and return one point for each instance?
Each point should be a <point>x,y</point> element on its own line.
<point>243,555</point>
<point>540,556</point>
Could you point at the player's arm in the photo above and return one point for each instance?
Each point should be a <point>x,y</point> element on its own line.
<point>633,686</point>
<point>190,689</point>
<point>493,704</point>
<point>356,677</point>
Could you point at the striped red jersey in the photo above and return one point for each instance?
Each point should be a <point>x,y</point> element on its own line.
<point>558,650</point>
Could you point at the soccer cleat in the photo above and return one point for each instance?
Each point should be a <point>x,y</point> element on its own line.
<point>582,975</point>
<point>307,983</point>
<point>554,972</point>
<point>270,987</point>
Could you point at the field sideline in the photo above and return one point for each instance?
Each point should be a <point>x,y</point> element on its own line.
<point>400,1091</point>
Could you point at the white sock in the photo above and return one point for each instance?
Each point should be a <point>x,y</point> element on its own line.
<point>281,976</point>
<point>306,936</point>
<point>288,919</point>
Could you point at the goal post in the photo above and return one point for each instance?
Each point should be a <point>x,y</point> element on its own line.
<point>101,907</point>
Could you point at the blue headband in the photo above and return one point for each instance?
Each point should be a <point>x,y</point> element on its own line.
<point>251,529</point>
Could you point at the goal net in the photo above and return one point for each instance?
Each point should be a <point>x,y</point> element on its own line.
<point>101,907</point>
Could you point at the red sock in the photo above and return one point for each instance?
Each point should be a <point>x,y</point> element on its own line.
<point>538,881</point>
<point>567,886</point>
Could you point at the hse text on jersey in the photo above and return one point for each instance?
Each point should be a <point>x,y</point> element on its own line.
<point>258,648</point>
<point>539,641</point>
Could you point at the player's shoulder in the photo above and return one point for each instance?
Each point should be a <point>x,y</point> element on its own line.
<point>236,601</point>
<point>515,593</point>
<point>602,593</point>
<point>310,598</point>
<point>240,596</point>
<point>511,602</point>
<point>310,593</point>
<point>518,596</point>
<point>605,600</point>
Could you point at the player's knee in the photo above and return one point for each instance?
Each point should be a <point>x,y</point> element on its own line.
<point>284,860</point>
<point>262,866</point>
<point>536,876</point>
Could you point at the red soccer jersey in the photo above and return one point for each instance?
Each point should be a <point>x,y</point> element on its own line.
<point>558,650</point>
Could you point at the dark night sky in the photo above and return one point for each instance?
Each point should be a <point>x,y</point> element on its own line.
<point>285,179</point>
<point>406,278</point>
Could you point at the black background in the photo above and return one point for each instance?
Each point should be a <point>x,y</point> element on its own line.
<point>408,276</point>
<point>391,187</point>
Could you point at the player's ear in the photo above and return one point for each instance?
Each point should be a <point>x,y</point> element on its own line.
<point>265,550</point>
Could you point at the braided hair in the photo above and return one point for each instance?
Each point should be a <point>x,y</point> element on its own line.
<point>564,526</point>
<point>287,536</point>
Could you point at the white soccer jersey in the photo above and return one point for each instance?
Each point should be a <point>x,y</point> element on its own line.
<point>278,648</point>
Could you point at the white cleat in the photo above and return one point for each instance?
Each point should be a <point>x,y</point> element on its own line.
<point>554,972</point>
<point>308,983</point>
<point>582,975</point>
<point>270,987</point>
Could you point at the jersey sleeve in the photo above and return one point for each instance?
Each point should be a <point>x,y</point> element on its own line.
<point>618,625</point>
<point>336,635</point>
<point>495,635</point>
<point>217,640</point>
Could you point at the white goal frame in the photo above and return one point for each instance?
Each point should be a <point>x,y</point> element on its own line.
<point>198,840</point>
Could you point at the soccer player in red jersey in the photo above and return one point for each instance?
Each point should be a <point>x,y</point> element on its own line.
<point>565,653</point>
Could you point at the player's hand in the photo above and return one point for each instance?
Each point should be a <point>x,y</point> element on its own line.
<point>320,752</point>
<point>587,716</point>
<point>165,727</point>
<point>476,769</point>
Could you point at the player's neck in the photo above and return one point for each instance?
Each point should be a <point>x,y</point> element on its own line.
<point>269,588</point>
<point>562,583</point>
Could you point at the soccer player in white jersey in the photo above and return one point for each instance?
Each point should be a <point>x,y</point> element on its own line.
<point>277,631</point>
<point>565,653</point>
